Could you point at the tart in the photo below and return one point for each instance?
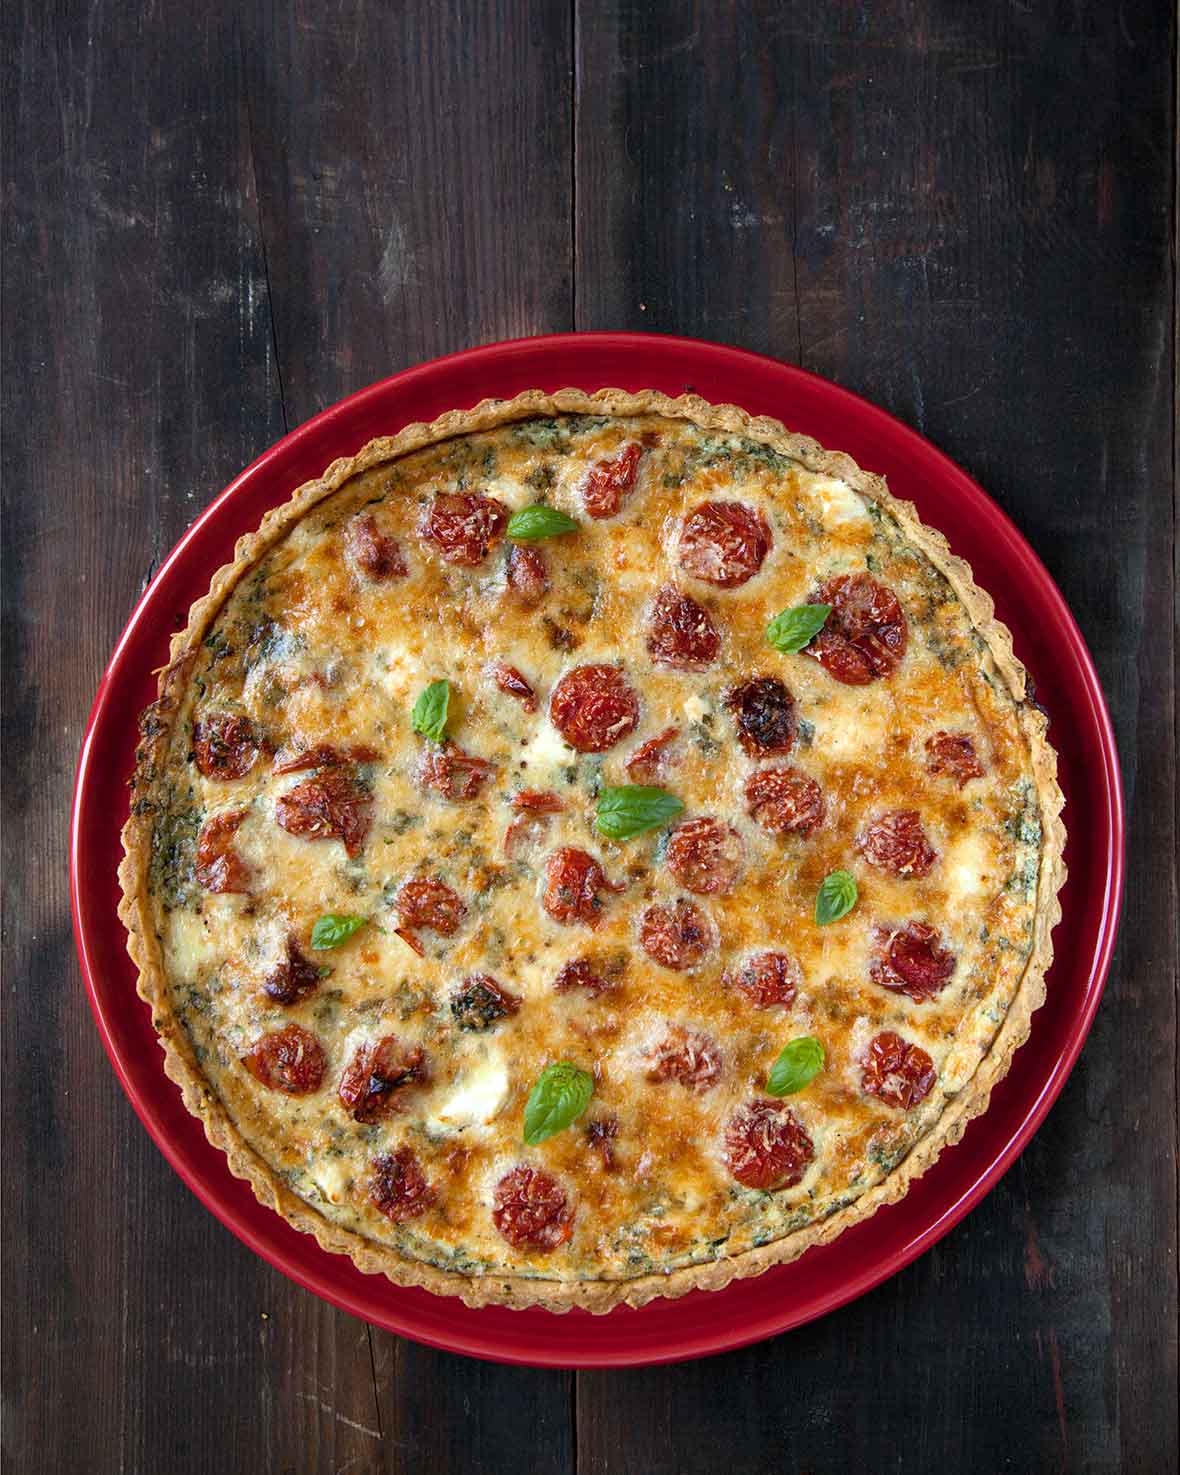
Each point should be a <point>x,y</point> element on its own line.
<point>590,848</point>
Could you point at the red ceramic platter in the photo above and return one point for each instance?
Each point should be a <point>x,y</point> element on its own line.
<point>1047,640</point>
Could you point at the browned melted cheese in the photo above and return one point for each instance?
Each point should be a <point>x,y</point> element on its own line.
<point>314,652</point>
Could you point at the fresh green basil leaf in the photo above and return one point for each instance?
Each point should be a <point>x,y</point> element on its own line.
<point>561,1095</point>
<point>531,524</point>
<point>798,1064</point>
<point>430,711</point>
<point>835,898</point>
<point>335,928</point>
<point>791,630</point>
<point>629,809</point>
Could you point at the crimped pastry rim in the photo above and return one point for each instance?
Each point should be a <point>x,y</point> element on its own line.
<point>598,1296</point>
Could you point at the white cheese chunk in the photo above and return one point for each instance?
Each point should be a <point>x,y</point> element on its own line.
<point>332,1176</point>
<point>849,731</point>
<point>194,944</point>
<point>479,1097</point>
<point>969,869</point>
<point>839,504</point>
<point>402,672</point>
<point>547,752</point>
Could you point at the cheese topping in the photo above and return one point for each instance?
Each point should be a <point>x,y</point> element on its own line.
<point>678,964</point>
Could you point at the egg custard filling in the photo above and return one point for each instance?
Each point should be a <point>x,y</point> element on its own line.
<point>590,848</point>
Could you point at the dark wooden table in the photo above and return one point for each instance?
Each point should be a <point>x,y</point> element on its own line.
<point>219,219</point>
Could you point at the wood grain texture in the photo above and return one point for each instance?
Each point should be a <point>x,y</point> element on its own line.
<point>146,152</point>
<point>138,378</point>
<point>219,219</point>
<point>962,212</point>
<point>409,209</point>
<point>414,176</point>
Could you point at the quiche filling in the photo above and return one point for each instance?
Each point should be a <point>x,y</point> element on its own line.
<point>587,847</point>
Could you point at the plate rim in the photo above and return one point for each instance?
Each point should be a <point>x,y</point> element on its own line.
<point>773,1322</point>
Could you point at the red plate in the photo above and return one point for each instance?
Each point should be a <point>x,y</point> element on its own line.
<point>1047,639</point>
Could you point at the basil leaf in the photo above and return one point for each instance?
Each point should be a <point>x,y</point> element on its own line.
<point>531,524</point>
<point>791,630</point>
<point>561,1095</point>
<point>835,898</point>
<point>430,711</point>
<point>800,1062</point>
<point>630,809</point>
<point>335,928</point>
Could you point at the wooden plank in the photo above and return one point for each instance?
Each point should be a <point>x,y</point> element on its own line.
<point>138,380</point>
<point>414,175</point>
<point>448,1413</point>
<point>409,208</point>
<point>963,213</point>
<point>141,378</point>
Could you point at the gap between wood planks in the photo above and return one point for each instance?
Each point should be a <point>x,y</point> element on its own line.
<point>270,308</point>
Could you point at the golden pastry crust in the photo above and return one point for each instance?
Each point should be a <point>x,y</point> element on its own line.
<point>530,1286</point>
